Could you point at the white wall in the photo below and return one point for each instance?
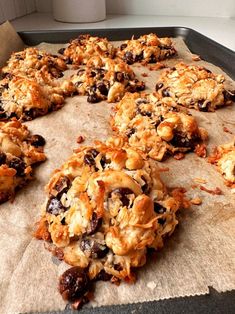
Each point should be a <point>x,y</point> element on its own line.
<point>214,8</point>
<point>10,9</point>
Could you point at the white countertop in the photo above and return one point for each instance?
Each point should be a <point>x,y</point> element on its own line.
<point>221,30</point>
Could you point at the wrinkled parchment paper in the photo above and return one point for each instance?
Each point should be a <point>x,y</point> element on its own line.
<point>200,253</point>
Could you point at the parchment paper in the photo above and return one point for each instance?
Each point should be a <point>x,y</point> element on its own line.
<point>200,253</point>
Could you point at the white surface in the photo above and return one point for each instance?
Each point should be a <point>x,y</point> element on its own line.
<point>79,10</point>
<point>213,8</point>
<point>10,9</point>
<point>220,29</point>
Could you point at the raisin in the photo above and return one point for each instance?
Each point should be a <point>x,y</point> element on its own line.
<point>93,74</point>
<point>159,209</point>
<point>95,224</point>
<point>128,57</point>
<point>68,61</point>
<point>103,161</point>
<point>74,283</point>
<point>39,57</point>
<point>37,140</point>
<point>123,46</point>
<point>55,207</point>
<point>161,221</point>
<point>102,88</point>
<point>119,77</point>
<point>123,193</point>
<point>18,165</point>
<point>103,276</point>
<point>159,86</point>
<point>180,140</point>
<point>95,249</point>
<point>139,57</point>
<point>61,51</point>
<point>3,158</point>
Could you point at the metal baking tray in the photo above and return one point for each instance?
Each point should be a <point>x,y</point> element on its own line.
<point>210,51</point>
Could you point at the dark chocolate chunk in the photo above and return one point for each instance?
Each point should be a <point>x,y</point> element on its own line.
<point>89,157</point>
<point>61,51</point>
<point>181,140</point>
<point>139,57</point>
<point>3,158</point>
<point>165,92</point>
<point>103,276</point>
<point>62,186</point>
<point>123,46</point>
<point>18,165</point>
<point>130,132</point>
<point>37,140</point>
<point>93,98</point>
<point>128,57</point>
<point>152,59</point>
<point>55,207</point>
<point>119,77</point>
<point>102,88</point>
<point>203,107</point>
<point>161,221</point>
<point>74,283</point>
<point>229,95</point>
<point>95,224</point>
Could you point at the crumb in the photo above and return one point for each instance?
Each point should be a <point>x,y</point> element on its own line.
<point>165,169</point>
<point>194,186</point>
<point>151,285</point>
<point>216,191</point>
<point>200,150</point>
<point>144,74</point>
<point>196,58</point>
<point>157,66</point>
<point>225,129</point>
<point>178,194</point>
<point>196,201</point>
<point>179,156</point>
<point>80,139</point>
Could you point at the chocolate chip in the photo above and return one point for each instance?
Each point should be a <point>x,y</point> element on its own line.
<point>93,74</point>
<point>93,248</point>
<point>74,283</point>
<point>152,59</point>
<point>159,209</point>
<point>123,46</point>
<point>123,195</point>
<point>62,186</point>
<point>37,140</point>
<point>18,165</point>
<point>63,221</point>
<point>61,51</point>
<point>93,98</point>
<point>95,224</point>
<point>161,221</point>
<point>128,57</point>
<point>130,132</point>
<point>55,207</point>
<point>180,140</point>
<point>3,114</point>
<point>103,276</point>
<point>139,57</point>
<point>68,61</point>
<point>202,106</point>
<point>39,57</point>
<point>3,158</point>
<point>89,157</point>
<point>229,95</point>
<point>165,92</point>
<point>102,88</point>
<point>158,86</point>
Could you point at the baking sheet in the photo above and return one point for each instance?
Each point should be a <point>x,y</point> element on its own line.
<point>200,253</point>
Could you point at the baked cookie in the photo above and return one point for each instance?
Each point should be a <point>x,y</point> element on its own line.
<point>224,158</point>
<point>81,49</point>
<point>105,78</point>
<point>26,99</point>
<point>147,48</point>
<point>19,150</point>
<point>194,87</point>
<point>106,205</point>
<point>157,127</point>
<point>31,60</point>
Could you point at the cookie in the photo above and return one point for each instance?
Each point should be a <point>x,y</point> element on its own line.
<point>224,158</point>
<point>81,49</point>
<point>25,99</point>
<point>194,87</point>
<point>106,79</point>
<point>19,150</point>
<point>147,48</point>
<point>31,60</point>
<point>158,128</point>
<point>106,206</point>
